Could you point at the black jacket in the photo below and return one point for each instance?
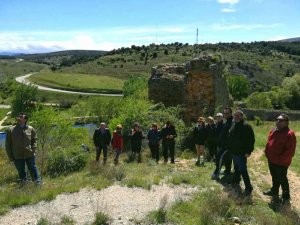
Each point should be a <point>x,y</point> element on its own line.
<point>101,139</point>
<point>199,135</point>
<point>241,139</point>
<point>136,139</point>
<point>223,137</point>
<point>166,131</point>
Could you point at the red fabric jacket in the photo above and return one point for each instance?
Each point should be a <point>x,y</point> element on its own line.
<point>117,142</point>
<point>281,146</point>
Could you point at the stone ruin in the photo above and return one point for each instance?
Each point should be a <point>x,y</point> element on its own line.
<point>198,85</point>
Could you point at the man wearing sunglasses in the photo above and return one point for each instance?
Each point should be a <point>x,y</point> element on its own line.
<point>279,151</point>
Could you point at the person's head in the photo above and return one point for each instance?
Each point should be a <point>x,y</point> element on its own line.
<point>227,112</point>
<point>238,116</point>
<point>219,117</point>
<point>201,121</point>
<point>102,125</point>
<point>154,126</point>
<point>136,126</point>
<point>282,121</point>
<point>119,128</point>
<point>22,118</point>
<point>210,120</point>
<point>168,123</point>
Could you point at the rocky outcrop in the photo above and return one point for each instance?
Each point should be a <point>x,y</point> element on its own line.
<point>198,86</point>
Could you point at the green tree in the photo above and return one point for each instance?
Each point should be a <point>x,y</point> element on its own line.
<point>134,86</point>
<point>259,100</point>
<point>24,99</point>
<point>238,87</point>
<point>43,122</point>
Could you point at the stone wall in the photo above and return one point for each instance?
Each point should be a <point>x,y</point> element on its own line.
<point>270,115</point>
<point>198,86</point>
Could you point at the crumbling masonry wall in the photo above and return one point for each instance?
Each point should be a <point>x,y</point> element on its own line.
<point>199,86</point>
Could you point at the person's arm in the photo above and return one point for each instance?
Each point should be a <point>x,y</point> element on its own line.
<point>8,145</point>
<point>289,149</point>
<point>174,133</point>
<point>33,140</point>
<point>108,137</point>
<point>95,137</point>
<point>250,140</point>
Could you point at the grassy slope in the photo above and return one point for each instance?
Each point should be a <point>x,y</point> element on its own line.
<point>211,206</point>
<point>82,82</point>
<point>14,69</point>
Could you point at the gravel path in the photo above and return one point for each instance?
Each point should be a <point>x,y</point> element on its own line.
<point>122,204</point>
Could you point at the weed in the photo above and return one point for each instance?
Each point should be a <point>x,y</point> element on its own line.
<point>101,219</point>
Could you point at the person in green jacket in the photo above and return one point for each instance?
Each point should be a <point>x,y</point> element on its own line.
<point>20,144</point>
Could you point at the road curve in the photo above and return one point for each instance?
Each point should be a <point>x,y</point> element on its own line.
<point>24,80</point>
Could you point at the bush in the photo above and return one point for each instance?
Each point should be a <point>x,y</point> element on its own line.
<point>65,161</point>
<point>101,219</point>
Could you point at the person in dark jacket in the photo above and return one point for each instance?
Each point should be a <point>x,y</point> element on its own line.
<point>212,138</point>
<point>240,144</point>
<point>223,156</point>
<point>200,137</point>
<point>136,137</point>
<point>279,151</point>
<point>168,135</point>
<point>102,138</point>
<point>153,137</point>
<point>21,144</point>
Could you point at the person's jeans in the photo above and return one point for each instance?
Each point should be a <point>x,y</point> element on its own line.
<point>169,147</point>
<point>223,157</point>
<point>240,168</point>
<point>279,178</point>
<point>30,162</point>
<point>98,152</point>
<point>154,152</point>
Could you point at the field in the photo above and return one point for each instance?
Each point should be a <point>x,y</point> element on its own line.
<point>214,204</point>
<point>78,82</point>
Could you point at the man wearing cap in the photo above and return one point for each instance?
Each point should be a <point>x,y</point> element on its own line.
<point>20,144</point>
<point>279,151</point>
<point>240,145</point>
<point>102,138</point>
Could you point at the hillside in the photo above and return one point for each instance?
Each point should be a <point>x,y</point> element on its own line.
<point>265,64</point>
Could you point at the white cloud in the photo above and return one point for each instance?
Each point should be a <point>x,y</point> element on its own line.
<point>277,38</point>
<point>243,26</point>
<point>231,2</point>
<point>228,10</point>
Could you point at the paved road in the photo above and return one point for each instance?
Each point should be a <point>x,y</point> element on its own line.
<point>24,80</point>
<point>4,106</point>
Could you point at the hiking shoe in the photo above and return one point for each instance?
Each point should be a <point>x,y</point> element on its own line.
<point>248,192</point>
<point>269,193</point>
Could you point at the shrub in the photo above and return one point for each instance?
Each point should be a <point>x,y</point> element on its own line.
<point>65,161</point>
<point>101,219</point>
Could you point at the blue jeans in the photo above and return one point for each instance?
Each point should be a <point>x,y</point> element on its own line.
<point>30,162</point>
<point>240,168</point>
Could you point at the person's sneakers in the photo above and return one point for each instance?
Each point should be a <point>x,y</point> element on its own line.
<point>286,201</point>
<point>269,193</point>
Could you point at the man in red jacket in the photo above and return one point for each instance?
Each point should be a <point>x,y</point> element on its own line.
<point>279,151</point>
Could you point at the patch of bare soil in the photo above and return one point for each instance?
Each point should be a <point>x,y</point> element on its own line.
<point>263,177</point>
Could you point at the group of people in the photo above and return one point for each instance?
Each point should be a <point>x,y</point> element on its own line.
<point>231,139</point>
<point>228,139</point>
<point>102,139</point>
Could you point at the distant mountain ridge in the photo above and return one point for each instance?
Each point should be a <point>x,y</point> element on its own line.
<point>296,39</point>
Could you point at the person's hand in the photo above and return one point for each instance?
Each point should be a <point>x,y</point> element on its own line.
<point>247,155</point>
<point>170,136</point>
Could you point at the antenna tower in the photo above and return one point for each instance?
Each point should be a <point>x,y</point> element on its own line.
<point>197,37</point>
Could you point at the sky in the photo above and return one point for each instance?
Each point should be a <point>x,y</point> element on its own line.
<point>34,26</point>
